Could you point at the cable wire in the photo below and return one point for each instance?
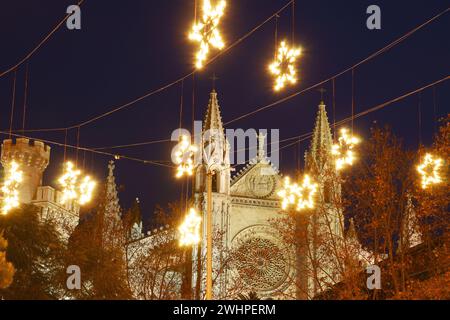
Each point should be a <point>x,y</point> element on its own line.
<point>50,142</point>
<point>372,56</point>
<point>39,45</point>
<point>167,86</point>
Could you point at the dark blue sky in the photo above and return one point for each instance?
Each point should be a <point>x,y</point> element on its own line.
<point>126,49</point>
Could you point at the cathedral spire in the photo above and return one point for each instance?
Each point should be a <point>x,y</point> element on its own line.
<point>213,119</point>
<point>322,140</point>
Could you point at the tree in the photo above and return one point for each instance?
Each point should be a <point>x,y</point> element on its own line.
<point>432,204</point>
<point>157,266</point>
<point>102,261</point>
<point>37,252</point>
<point>378,194</point>
<point>6,268</point>
<point>159,269</point>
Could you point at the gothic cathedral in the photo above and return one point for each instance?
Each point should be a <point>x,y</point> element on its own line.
<point>243,207</point>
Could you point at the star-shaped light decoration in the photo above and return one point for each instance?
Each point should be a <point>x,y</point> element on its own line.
<point>283,67</point>
<point>190,229</point>
<point>289,194</point>
<point>86,190</point>
<point>307,192</point>
<point>430,169</point>
<point>206,32</point>
<point>10,188</point>
<point>344,149</point>
<point>68,181</point>
<point>302,196</point>
<point>184,157</point>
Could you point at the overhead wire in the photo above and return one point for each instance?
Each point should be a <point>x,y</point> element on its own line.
<point>65,145</point>
<point>38,46</point>
<point>169,85</point>
<point>372,56</point>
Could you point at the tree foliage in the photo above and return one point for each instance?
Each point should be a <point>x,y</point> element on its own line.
<point>102,263</point>
<point>6,268</point>
<point>37,253</point>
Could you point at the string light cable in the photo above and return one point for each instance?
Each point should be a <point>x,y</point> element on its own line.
<point>39,45</point>
<point>169,85</point>
<point>112,155</point>
<point>372,56</point>
<point>303,136</point>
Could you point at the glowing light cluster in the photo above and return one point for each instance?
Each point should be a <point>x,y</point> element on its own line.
<point>206,32</point>
<point>69,183</point>
<point>344,150</point>
<point>303,196</point>
<point>72,189</point>
<point>87,187</point>
<point>283,67</point>
<point>184,157</point>
<point>10,188</point>
<point>289,194</point>
<point>430,169</point>
<point>308,190</point>
<point>190,229</point>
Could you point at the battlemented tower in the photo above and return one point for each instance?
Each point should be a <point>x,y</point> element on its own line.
<point>33,158</point>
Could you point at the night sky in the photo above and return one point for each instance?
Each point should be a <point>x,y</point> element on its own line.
<point>127,49</point>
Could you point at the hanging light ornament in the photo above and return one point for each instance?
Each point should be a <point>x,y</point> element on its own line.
<point>430,169</point>
<point>289,194</point>
<point>206,32</point>
<point>303,196</point>
<point>283,67</point>
<point>344,150</point>
<point>307,192</point>
<point>190,229</point>
<point>68,181</point>
<point>184,157</point>
<point>10,188</point>
<point>86,189</point>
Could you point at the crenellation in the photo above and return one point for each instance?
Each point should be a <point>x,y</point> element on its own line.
<point>33,158</point>
<point>27,152</point>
